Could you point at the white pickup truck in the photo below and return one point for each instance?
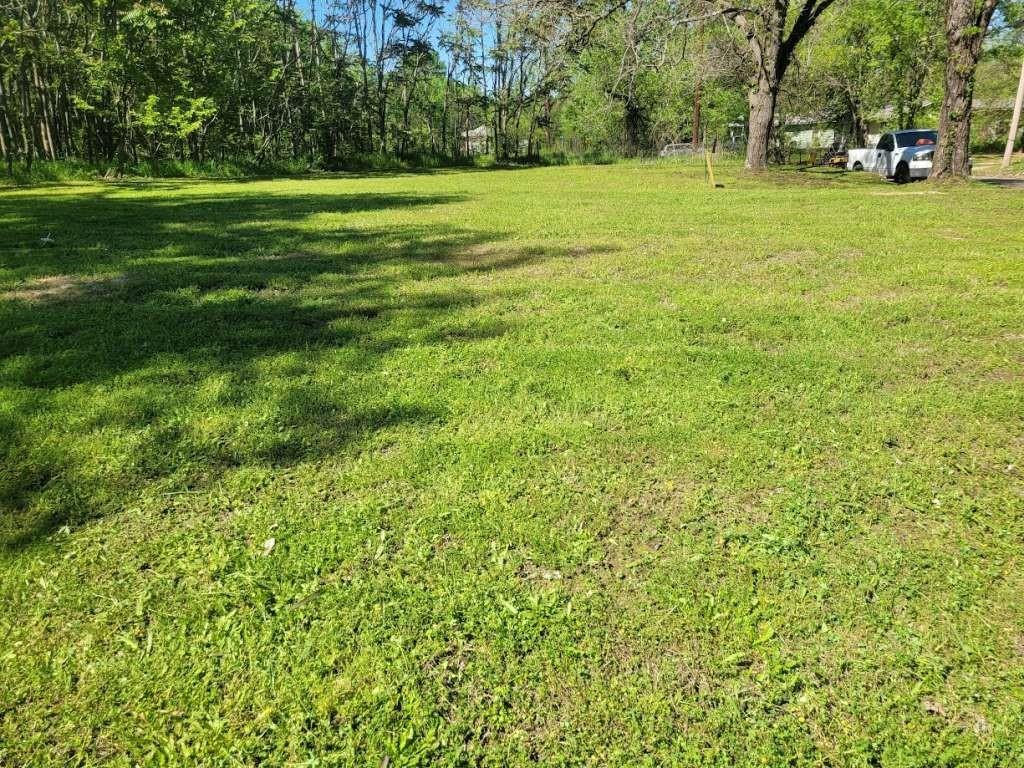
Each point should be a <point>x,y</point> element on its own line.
<point>901,155</point>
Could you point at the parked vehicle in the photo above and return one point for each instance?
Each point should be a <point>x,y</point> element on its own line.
<point>679,150</point>
<point>900,155</point>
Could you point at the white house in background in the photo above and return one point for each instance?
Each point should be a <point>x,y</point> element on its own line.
<point>992,116</point>
<point>477,141</point>
<point>808,133</point>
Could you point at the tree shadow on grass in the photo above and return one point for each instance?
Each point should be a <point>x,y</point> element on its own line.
<point>95,229</point>
<point>170,339</point>
<point>181,182</point>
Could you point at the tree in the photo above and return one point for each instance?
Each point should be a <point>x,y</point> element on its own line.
<point>966,24</point>
<point>876,54</point>
<point>632,87</point>
<point>770,48</point>
<point>147,83</point>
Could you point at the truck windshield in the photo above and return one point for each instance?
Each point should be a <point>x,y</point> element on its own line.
<point>916,138</point>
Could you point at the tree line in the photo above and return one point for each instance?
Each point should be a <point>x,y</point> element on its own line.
<point>128,82</point>
<point>119,81</point>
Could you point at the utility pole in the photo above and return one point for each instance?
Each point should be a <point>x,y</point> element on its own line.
<point>1015,121</point>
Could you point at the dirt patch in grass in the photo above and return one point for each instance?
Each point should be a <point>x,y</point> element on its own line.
<point>790,257</point>
<point>61,287</point>
<point>292,256</point>
<point>894,193</point>
<point>881,296</point>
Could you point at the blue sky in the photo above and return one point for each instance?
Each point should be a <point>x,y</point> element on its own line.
<point>440,26</point>
<point>305,5</point>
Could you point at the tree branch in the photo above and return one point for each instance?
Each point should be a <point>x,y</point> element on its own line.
<point>808,16</point>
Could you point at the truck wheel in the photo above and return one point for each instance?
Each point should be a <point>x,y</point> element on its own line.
<point>858,166</point>
<point>902,175</point>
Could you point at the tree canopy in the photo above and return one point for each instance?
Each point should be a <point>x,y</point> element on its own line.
<point>135,82</point>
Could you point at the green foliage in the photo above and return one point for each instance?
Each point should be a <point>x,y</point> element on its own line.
<point>588,115</point>
<point>875,55</point>
<point>50,172</point>
<point>641,75</point>
<point>76,170</point>
<point>253,83</point>
<point>245,81</point>
<point>722,104</point>
<point>995,89</point>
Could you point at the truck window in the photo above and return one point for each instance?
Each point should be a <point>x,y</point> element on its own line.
<point>886,144</point>
<point>917,138</point>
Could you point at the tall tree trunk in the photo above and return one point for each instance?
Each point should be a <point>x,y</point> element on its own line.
<point>6,132</point>
<point>45,119</point>
<point>28,136</point>
<point>1011,139</point>
<point>762,101</point>
<point>698,91</point>
<point>634,124</point>
<point>857,121</point>
<point>695,133</point>
<point>966,24</point>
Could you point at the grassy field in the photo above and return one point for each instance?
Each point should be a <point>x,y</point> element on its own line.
<point>565,466</point>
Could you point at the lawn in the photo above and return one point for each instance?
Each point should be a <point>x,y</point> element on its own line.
<point>990,165</point>
<point>561,466</point>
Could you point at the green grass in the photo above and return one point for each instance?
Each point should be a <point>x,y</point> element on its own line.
<point>563,466</point>
<point>990,165</point>
<point>64,171</point>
